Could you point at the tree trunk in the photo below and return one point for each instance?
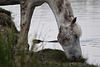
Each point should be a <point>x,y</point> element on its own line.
<point>9,2</point>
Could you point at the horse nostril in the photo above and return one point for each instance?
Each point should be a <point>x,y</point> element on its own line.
<point>73,58</point>
<point>79,57</point>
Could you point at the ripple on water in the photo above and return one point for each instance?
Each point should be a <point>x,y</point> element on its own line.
<point>93,42</point>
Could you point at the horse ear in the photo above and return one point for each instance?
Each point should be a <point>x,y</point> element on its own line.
<point>74,20</point>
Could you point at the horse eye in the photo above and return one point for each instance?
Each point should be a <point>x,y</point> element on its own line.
<point>67,39</point>
<point>75,36</point>
<point>66,27</point>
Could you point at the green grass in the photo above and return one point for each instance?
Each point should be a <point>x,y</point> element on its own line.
<point>49,55</point>
<point>5,11</point>
<point>43,58</point>
<point>6,48</point>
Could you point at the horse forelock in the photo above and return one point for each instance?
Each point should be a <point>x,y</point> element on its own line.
<point>77,30</point>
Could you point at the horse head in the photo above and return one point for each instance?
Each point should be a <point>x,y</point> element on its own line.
<point>69,38</point>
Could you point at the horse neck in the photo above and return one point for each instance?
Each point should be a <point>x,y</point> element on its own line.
<point>61,8</point>
<point>62,11</point>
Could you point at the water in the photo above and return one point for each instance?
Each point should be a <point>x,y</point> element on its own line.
<point>44,26</point>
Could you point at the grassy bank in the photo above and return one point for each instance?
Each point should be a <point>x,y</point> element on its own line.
<point>43,58</point>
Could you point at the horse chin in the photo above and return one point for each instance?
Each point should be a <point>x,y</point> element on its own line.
<point>73,58</point>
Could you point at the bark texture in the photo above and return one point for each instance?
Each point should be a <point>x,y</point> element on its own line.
<point>9,2</point>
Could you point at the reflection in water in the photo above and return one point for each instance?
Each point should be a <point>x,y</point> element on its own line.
<point>44,26</point>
